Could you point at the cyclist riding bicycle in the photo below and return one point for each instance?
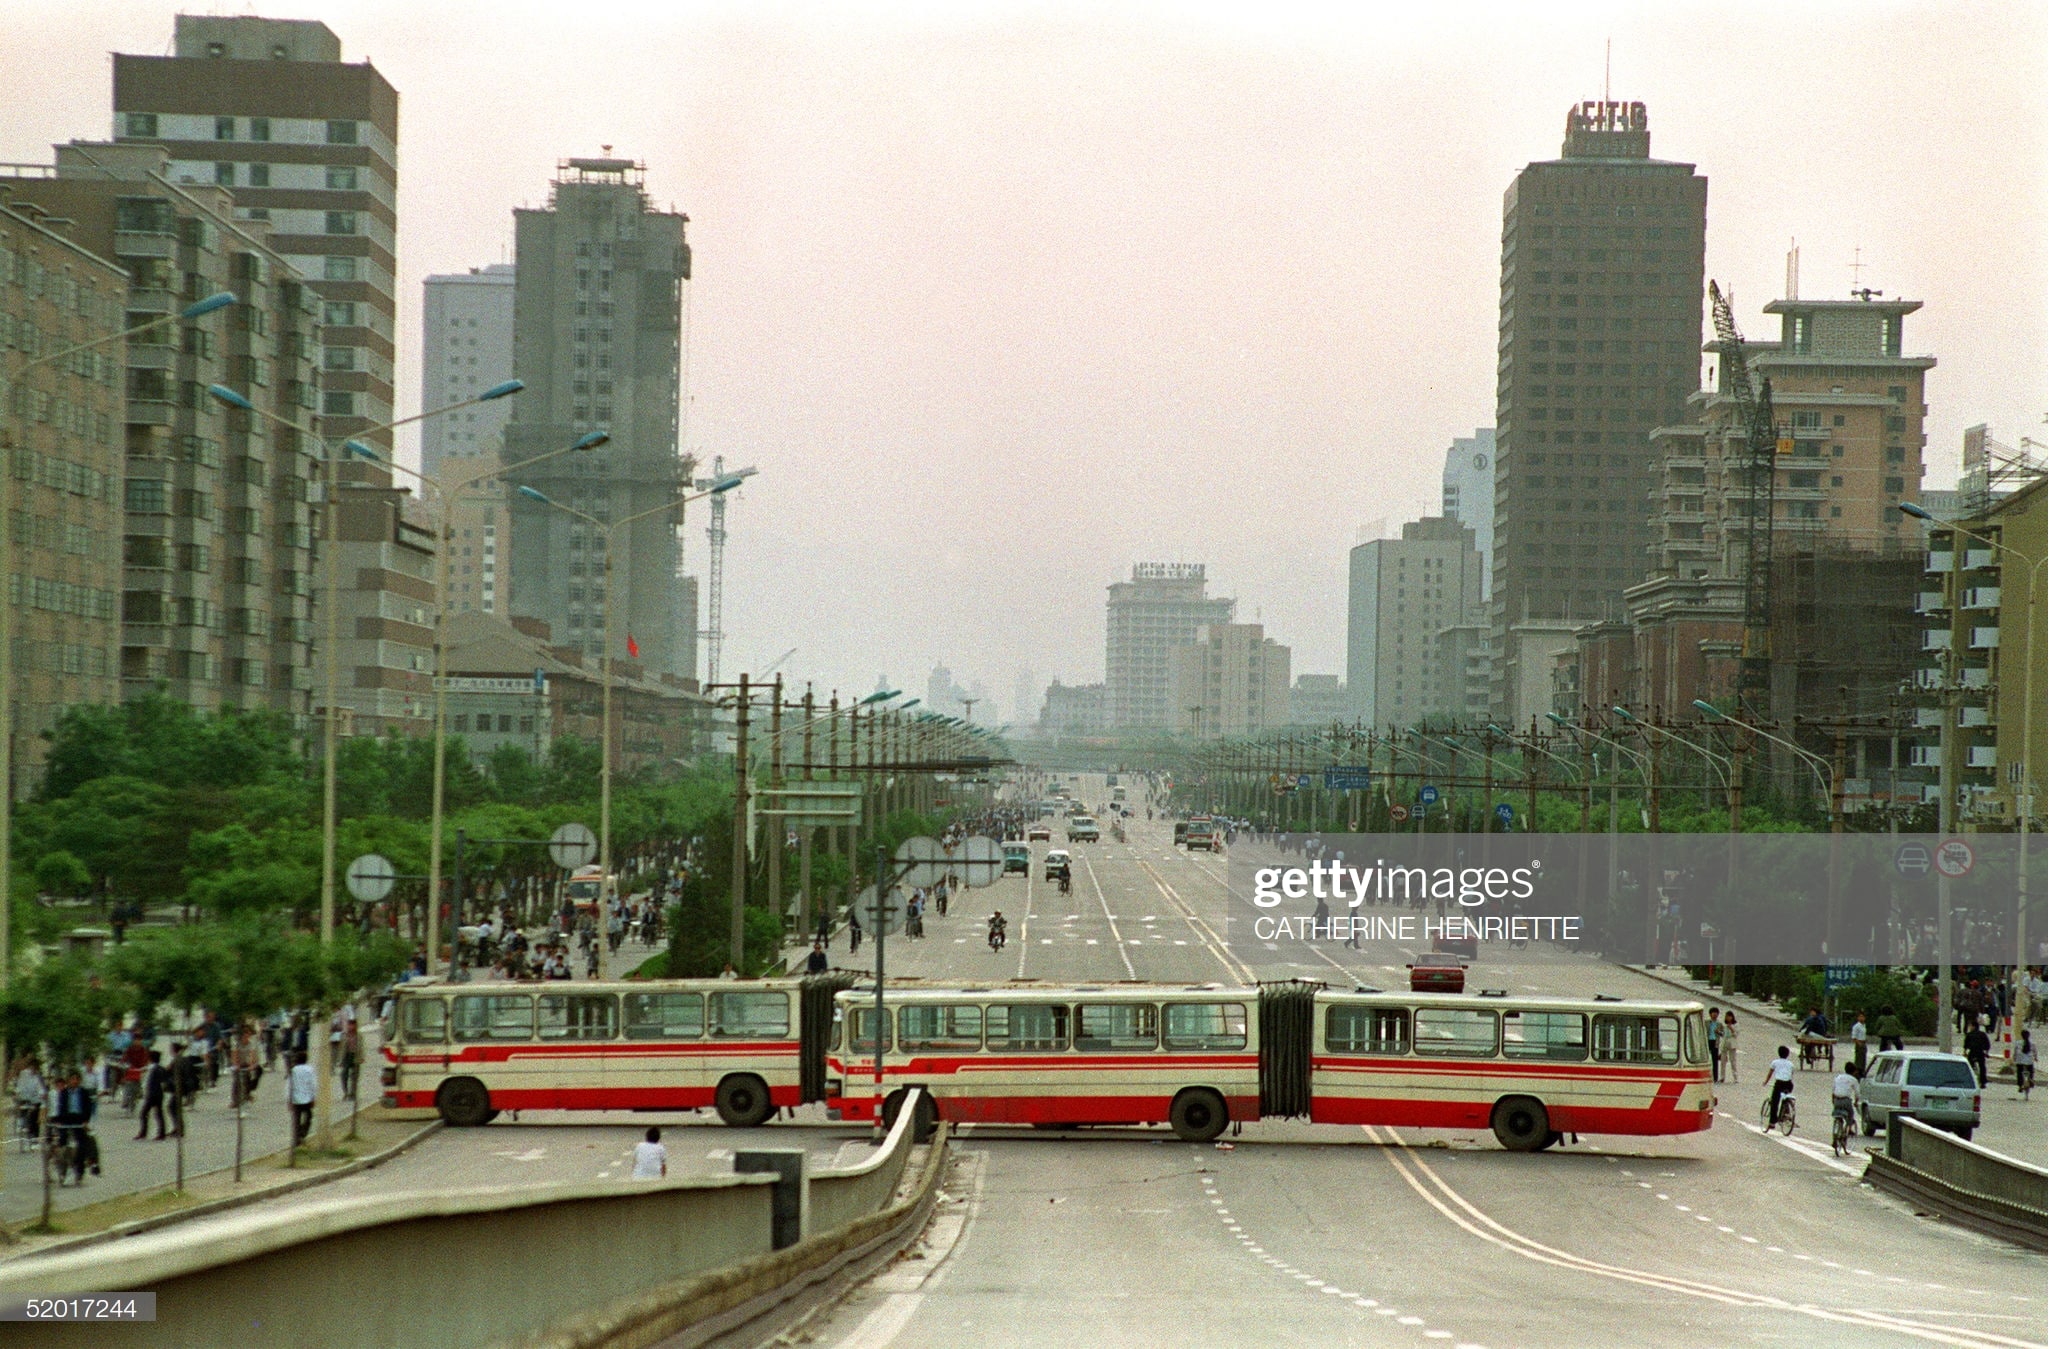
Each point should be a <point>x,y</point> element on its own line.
<point>1066,883</point>
<point>1845,1097</point>
<point>1780,1078</point>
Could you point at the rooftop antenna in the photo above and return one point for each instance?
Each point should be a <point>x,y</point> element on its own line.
<point>1792,272</point>
<point>1856,270</point>
<point>1607,75</point>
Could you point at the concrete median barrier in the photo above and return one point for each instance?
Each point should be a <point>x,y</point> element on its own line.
<point>1963,1182</point>
<point>615,1264</point>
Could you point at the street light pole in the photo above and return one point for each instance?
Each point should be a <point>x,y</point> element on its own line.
<point>606,881</point>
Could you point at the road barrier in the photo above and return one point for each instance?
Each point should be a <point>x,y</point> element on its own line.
<point>615,1264</point>
<point>1963,1182</point>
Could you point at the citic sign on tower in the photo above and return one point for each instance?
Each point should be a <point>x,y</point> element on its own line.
<point>1594,115</point>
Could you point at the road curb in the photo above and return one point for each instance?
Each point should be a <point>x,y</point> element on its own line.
<point>1707,995</point>
<point>234,1201</point>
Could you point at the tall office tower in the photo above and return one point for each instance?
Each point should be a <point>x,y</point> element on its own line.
<point>1160,608</point>
<point>1231,681</point>
<point>60,443</point>
<point>598,339</point>
<point>308,143</point>
<point>465,348</point>
<point>687,619</point>
<point>219,521</point>
<point>1409,598</point>
<point>1468,495</point>
<point>1602,273</point>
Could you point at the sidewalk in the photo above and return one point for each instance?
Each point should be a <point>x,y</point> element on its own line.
<point>2016,1128</point>
<point>261,1176</point>
<point>128,1165</point>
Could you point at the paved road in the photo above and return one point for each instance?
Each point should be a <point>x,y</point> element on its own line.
<point>1377,1236</point>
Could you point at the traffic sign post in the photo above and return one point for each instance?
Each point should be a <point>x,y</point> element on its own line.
<point>1429,796</point>
<point>370,877</point>
<point>979,864</point>
<point>1347,778</point>
<point>572,846</point>
<point>1505,813</point>
<point>1397,814</point>
<point>1953,858</point>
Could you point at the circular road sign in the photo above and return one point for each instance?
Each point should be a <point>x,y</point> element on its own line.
<point>1912,859</point>
<point>572,846</point>
<point>370,877</point>
<point>1505,812</point>
<point>1397,813</point>
<point>1428,796</point>
<point>922,860</point>
<point>871,918</point>
<point>979,862</point>
<point>1954,858</point>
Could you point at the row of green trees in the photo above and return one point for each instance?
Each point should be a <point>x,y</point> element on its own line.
<point>240,970</point>
<point>153,803</point>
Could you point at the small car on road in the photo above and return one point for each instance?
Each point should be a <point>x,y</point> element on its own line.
<point>1083,829</point>
<point>1058,864</point>
<point>1017,859</point>
<point>1039,833</point>
<point>1939,1090</point>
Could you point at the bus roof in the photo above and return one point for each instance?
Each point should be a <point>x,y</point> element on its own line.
<point>910,992</point>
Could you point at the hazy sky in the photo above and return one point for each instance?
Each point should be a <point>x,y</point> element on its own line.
<point>1002,298</point>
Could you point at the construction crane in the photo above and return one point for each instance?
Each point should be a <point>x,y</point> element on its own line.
<point>1760,468</point>
<point>714,631</point>
<point>776,664</point>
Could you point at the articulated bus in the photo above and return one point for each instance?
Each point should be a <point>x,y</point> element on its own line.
<point>1202,1056</point>
<point>1196,1057</point>
<point>471,1050</point>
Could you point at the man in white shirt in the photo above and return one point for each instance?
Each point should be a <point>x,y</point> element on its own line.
<point>1780,1078</point>
<point>1845,1093</point>
<point>650,1158</point>
<point>303,1088</point>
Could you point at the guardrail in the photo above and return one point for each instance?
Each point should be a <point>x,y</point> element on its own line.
<point>602,1264</point>
<point>1964,1182</point>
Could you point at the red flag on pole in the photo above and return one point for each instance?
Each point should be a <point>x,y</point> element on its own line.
<point>632,647</point>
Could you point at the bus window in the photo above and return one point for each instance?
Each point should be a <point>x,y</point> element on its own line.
<point>954,1025</point>
<point>1100,1026</point>
<point>749,1016</point>
<point>494,1016</point>
<point>578,1016</point>
<point>1543,1035</point>
<point>863,1037</point>
<point>1205,1025</point>
<point>1027,1025</point>
<point>1635,1039</point>
<point>1366,1030</point>
<point>1695,1031</point>
<point>1455,1032</point>
<point>664,1016</point>
<point>423,1021</point>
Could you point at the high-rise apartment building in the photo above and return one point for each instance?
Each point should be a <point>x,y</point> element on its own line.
<point>61,432</point>
<point>1602,277</point>
<point>217,549</point>
<point>308,144</point>
<point>1318,700</point>
<point>465,348</point>
<point>598,339</point>
<point>1406,593</point>
<point>1851,405</point>
<point>1160,608</point>
<point>1233,680</point>
<point>386,648</point>
<point>1468,495</point>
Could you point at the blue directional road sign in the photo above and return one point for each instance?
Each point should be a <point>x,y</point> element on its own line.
<point>1429,796</point>
<point>1843,971</point>
<point>1347,778</point>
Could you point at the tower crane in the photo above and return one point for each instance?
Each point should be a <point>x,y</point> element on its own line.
<point>1760,469</point>
<point>714,632</point>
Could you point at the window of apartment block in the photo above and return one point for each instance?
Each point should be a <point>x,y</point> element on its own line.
<point>141,124</point>
<point>339,269</point>
<point>223,128</point>
<point>224,174</point>
<point>259,128</point>
<point>341,132</point>
<point>339,314</point>
<point>148,496</point>
<point>341,222</point>
<point>259,175</point>
<point>341,178</point>
<point>338,358</point>
<point>337,403</point>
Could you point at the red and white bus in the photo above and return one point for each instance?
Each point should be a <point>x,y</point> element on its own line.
<point>471,1050</point>
<point>1200,1057</point>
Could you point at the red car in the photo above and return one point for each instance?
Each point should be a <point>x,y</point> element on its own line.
<point>1436,974</point>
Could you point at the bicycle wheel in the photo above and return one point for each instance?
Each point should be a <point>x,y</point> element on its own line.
<point>1788,1117</point>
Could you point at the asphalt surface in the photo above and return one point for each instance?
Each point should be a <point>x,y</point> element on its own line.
<point>1318,1236</point>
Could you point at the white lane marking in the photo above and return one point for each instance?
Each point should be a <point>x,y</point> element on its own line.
<point>1103,900</point>
<point>880,1327</point>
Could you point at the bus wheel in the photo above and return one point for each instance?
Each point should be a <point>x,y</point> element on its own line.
<point>1198,1115</point>
<point>743,1101</point>
<point>923,1125</point>
<point>463,1102</point>
<point>1521,1124</point>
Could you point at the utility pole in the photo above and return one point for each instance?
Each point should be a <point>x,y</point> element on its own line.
<point>803,861</point>
<point>1951,708</point>
<point>773,827</point>
<point>739,828</point>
